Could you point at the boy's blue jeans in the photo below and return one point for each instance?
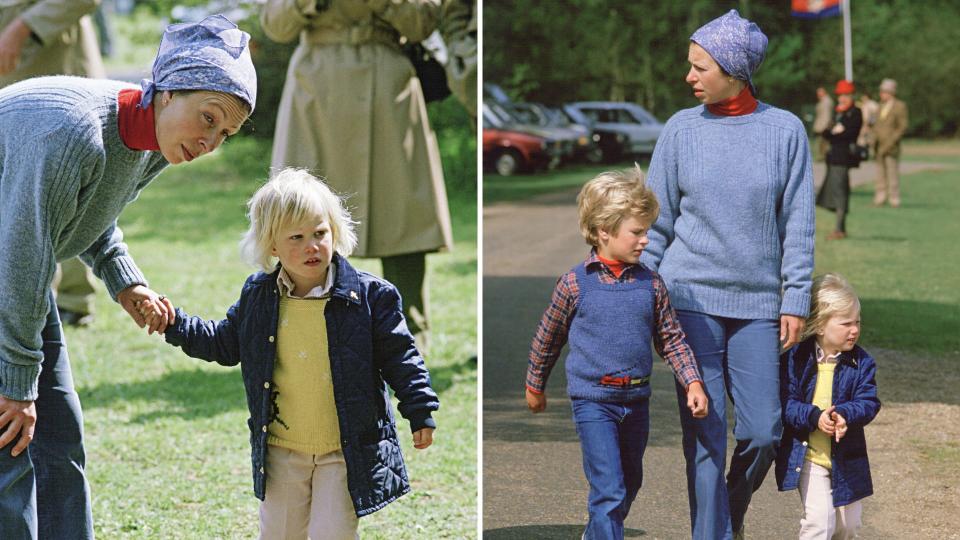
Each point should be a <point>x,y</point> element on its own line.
<point>43,491</point>
<point>613,437</point>
<point>740,358</point>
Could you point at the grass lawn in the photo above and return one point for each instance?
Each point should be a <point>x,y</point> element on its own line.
<point>167,445</point>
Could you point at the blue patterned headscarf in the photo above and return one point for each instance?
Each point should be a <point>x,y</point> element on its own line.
<point>212,54</point>
<point>737,44</point>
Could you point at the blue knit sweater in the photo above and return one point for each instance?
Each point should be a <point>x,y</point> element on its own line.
<point>65,175</point>
<point>736,227</point>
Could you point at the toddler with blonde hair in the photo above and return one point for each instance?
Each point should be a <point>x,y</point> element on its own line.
<point>829,392</point>
<point>318,343</point>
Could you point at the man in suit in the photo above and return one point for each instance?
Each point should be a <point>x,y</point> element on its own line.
<point>54,37</point>
<point>888,130</point>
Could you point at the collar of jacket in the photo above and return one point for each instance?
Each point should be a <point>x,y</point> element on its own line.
<point>346,282</point>
<point>808,350</point>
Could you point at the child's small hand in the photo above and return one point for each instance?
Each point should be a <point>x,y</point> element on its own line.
<point>841,424</point>
<point>537,403</point>
<point>423,438</point>
<point>697,400</point>
<point>826,423</point>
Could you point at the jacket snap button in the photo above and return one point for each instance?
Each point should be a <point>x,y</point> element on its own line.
<point>266,385</point>
<point>265,430</point>
<point>270,339</point>
<point>798,469</point>
<point>261,470</point>
<point>804,443</point>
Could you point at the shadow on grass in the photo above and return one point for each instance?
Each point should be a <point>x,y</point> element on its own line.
<point>443,377</point>
<point>187,394</point>
<point>191,394</point>
<point>545,532</point>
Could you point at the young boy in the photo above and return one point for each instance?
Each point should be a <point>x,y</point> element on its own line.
<point>610,308</point>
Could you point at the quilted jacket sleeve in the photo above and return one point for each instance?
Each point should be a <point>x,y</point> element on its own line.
<point>397,358</point>
<point>212,341</point>
<point>864,404</point>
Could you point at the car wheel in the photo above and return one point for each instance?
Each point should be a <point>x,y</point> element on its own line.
<point>507,163</point>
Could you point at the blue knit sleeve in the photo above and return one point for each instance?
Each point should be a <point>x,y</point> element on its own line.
<point>796,226</point>
<point>662,178</point>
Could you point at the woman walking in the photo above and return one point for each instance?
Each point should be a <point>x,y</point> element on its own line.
<point>734,244</point>
<point>835,192</point>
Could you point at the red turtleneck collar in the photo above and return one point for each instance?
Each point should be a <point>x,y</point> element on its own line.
<point>739,105</point>
<point>137,130</point>
<point>617,267</point>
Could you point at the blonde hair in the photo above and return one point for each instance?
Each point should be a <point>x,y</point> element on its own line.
<point>290,197</point>
<point>832,294</point>
<point>605,201</point>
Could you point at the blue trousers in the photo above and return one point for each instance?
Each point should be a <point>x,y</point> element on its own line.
<point>43,491</point>
<point>740,359</point>
<point>613,437</point>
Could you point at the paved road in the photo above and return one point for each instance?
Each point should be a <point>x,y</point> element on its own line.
<point>533,484</point>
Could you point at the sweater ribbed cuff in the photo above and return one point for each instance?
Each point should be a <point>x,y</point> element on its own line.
<point>19,382</point>
<point>795,303</point>
<point>120,273</point>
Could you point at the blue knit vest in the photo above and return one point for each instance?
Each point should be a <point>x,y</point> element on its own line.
<point>610,335</point>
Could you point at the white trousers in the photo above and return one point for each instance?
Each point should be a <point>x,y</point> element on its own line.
<point>821,521</point>
<point>306,495</point>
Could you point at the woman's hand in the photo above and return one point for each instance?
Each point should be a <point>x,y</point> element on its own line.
<point>790,328</point>
<point>17,418</point>
<point>11,44</point>
<point>838,129</point>
<point>422,438</point>
<point>147,308</point>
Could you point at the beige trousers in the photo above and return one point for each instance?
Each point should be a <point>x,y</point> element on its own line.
<point>306,496</point>
<point>73,285</point>
<point>888,181</point>
<point>820,520</point>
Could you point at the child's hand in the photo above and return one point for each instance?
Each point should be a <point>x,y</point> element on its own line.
<point>841,424</point>
<point>537,403</point>
<point>423,438</point>
<point>697,400</point>
<point>826,423</point>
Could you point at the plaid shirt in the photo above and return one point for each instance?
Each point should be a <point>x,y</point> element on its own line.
<point>551,336</point>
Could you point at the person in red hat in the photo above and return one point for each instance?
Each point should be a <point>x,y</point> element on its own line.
<point>834,194</point>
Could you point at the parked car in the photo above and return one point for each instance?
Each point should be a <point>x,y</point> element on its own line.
<point>639,128</point>
<point>586,147</point>
<point>504,116</point>
<point>508,152</point>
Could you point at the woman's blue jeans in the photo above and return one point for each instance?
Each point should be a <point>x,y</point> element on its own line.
<point>613,437</point>
<point>43,491</point>
<point>740,359</point>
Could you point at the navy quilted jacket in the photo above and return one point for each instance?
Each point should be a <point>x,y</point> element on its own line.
<point>855,398</point>
<point>370,347</point>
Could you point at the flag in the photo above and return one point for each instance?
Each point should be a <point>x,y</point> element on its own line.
<point>815,9</point>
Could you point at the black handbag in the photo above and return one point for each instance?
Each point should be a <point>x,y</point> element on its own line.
<point>432,75</point>
<point>858,153</point>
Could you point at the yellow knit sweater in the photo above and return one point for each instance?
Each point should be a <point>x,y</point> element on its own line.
<point>820,445</point>
<point>306,419</point>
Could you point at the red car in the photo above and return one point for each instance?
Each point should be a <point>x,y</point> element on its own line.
<point>510,152</point>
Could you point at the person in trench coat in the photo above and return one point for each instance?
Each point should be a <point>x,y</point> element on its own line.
<point>352,111</point>
<point>54,37</point>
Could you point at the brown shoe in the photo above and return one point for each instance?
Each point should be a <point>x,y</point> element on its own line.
<point>836,235</point>
<point>894,204</point>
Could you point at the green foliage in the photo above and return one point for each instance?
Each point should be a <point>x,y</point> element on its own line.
<point>570,50</point>
<point>166,437</point>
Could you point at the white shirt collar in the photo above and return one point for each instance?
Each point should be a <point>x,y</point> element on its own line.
<point>287,286</point>
<point>822,356</point>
